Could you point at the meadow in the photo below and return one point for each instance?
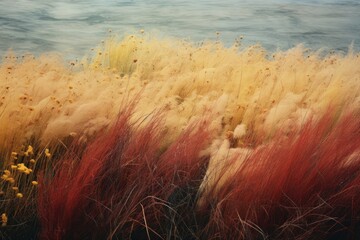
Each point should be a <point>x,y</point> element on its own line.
<point>161,138</point>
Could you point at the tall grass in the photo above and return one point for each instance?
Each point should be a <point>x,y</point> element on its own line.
<point>301,186</point>
<point>245,145</point>
<point>120,186</point>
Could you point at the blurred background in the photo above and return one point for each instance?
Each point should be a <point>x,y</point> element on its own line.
<point>73,27</point>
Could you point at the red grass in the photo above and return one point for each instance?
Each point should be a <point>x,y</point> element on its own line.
<point>126,185</point>
<point>63,199</point>
<point>298,187</point>
<point>120,186</point>
<point>153,179</point>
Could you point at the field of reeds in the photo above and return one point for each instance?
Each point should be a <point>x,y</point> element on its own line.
<point>150,138</point>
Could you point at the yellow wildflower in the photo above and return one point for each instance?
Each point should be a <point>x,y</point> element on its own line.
<point>32,161</point>
<point>21,167</point>
<point>29,151</point>
<point>14,155</point>
<point>47,153</point>
<point>13,167</point>
<point>7,172</point>
<point>19,195</point>
<point>34,183</point>
<point>4,219</point>
<point>10,180</point>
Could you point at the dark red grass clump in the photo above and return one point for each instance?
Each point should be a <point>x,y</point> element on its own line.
<point>305,186</point>
<point>127,185</point>
<point>124,185</point>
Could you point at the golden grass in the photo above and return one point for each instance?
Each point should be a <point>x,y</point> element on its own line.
<point>248,95</point>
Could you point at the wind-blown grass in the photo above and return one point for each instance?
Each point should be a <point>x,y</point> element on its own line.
<point>121,184</point>
<point>300,186</point>
<point>238,143</point>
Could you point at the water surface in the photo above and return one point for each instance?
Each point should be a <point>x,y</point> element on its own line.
<point>73,27</point>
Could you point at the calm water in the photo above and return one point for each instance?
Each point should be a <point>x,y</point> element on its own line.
<point>73,27</point>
